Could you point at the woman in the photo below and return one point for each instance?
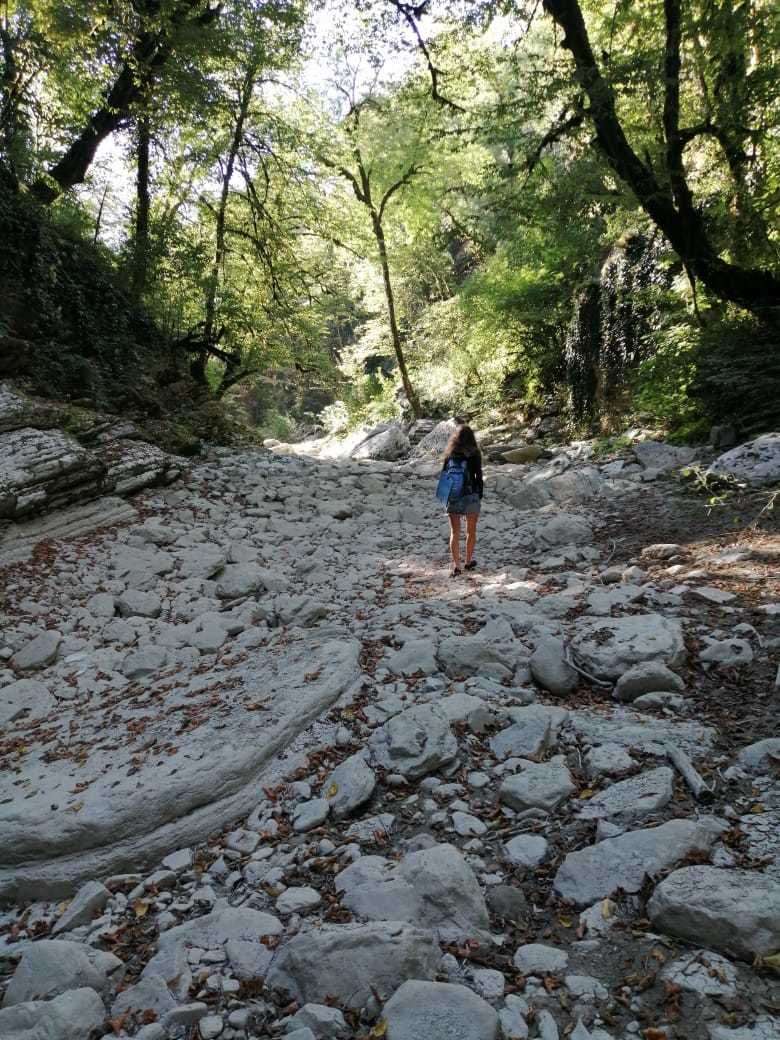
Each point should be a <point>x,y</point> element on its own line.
<point>462,453</point>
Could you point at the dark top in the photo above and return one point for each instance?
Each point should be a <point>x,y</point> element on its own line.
<point>474,463</point>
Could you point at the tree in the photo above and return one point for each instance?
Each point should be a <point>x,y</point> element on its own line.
<point>663,189</point>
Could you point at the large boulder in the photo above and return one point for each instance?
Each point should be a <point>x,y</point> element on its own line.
<point>473,655</point>
<point>50,967</point>
<point>438,1011</point>
<point>435,442</point>
<point>24,697</point>
<point>632,798</point>
<point>661,458</point>
<point>74,1015</point>
<point>623,862</point>
<point>734,911</point>
<point>434,888</point>
<point>389,445</point>
<point>415,742</point>
<point>608,647</point>
<point>352,962</point>
<point>757,462</point>
<point>550,668</point>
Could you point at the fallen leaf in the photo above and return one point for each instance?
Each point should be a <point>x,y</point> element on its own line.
<point>332,790</point>
<point>380,1029</point>
<point>76,807</point>
<point>586,793</point>
<point>565,922</point>
<point>608,909</point>
<point>140,907</point>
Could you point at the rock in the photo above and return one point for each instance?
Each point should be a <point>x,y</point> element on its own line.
<point>609,647</point>
<point>648,677</point>
<point>389,445</point>
<point>133,603</point>
<point>535,728</point>
<point>297,900</point>
<point>632,798</point>
<point>149,995</point>
<point>144,661</point>
<point>240,579</point>
<point>711,594</point>
<point>624,861</point>
<point>438,1011</point>
<point>730,653</point>
<point>300,1034</point>
<point>762,755</point>
<point>661,551</point>
<point>550,669</point>
<point>734,911</point>
<point>538,959</point>
<point>468,826</point>
<point>210,1027</point>
<point>526,850</point>
<point>644,733</point>
<point>507,902</point>
<point>526,453</point>
<point>349,962</point>
<point>38,653</point>
<point>323,1021</point>
<point>415,742</point>
<point>513,1018</point>
<point>71,1016</point>
<point>756,462</point>
<point>24,697</point>
<point>607,758</point>
<point>541,785</point>
<point>566,529</point>
<point>308,815</point>
<point>217,930</point>
<point>434,888</point>
<point>461,656</point>
<point>101,605</point>
<point>435,442</point>
<point>415,656</point>
<point>704,973</point>
<point>661,458</point>
<point>349,785</point>
<point>50,967</point>
<point>764,1027</point>
<point>89,899</point>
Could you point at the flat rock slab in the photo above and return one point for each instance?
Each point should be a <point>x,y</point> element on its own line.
<point>632,798</point>
<point>438,1011</point>
<point>349,962</point>
<point>646,733</point>
<point>434,888</point>
<point>734,911</point>
<point>183,790</point>
<point>624,862</point>
<point>25,697</point>
<point>608,647</point>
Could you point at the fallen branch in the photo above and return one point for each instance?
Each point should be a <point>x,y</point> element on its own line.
<point>591,678</point>
<point>685,768</point>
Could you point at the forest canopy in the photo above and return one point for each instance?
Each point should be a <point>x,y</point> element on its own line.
<point>344,212</point>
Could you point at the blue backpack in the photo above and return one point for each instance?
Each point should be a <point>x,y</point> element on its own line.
<point>454,480</point>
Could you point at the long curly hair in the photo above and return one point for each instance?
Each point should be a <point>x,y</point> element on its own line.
<point>462,442</point>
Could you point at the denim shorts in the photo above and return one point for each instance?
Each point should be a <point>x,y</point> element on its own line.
<point>464,505</point>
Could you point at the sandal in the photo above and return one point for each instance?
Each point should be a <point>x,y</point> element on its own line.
<point>470,566</point>
<point>454,571</point>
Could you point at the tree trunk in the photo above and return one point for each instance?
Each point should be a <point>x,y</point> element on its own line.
<point>198,367</point>
<point>142,203</point>
<point>671,208</point>
<point>379,235</point>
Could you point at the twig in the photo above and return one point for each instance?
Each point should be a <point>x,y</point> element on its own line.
<point>569,660</point>
<point>685,768</point>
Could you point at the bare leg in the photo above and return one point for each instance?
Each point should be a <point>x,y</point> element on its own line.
<point>471,535</point>
<point>455,539</point>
